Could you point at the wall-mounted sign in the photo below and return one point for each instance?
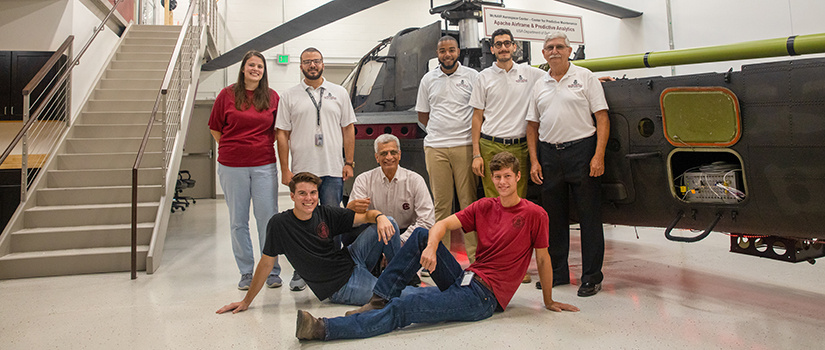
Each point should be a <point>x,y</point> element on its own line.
<point>532,25</point>
<point>283,59</point>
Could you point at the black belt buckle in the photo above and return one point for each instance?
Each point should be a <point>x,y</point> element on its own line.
<point>561,146</point>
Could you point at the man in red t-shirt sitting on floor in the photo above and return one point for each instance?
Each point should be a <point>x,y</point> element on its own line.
<point>508,229</point>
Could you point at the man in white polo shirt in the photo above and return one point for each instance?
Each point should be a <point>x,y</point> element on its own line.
<point>315,121</point>
<point>569,159</point>
<point>442,106</point>
<point>499,99</point>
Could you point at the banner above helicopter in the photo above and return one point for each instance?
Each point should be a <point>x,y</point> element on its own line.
<point>532,25</point>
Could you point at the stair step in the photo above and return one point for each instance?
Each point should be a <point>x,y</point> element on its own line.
<point>78,237</point>
<point>144,56</point>
<point>159,64</point>
<point>120,105</point>
<point>98,117</point>
<point>96,195</point>
<point>109,145</point>
<point>88,131</point>
<point>163,41</point>
<point>107,161</point>
<point>126,94</point>
<point>135,74</point>
<point>70,262</point>
<point>102,177</point>
<point>157,47</point>
<point>106,83</point>
<point>88,214</point>
<point>156,28</point>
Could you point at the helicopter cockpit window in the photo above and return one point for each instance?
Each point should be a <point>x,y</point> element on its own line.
<point>700,116</point>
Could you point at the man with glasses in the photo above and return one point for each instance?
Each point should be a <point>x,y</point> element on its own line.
<point>499,102</point>
<point>315,121</point>
<point>395,191</point>
<point>442,106</point>
<point>567,146</point>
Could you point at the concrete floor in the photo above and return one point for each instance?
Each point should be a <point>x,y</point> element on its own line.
<point>657,294</point>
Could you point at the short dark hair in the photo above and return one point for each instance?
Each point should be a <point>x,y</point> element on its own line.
<point>310,49</point>
<point>501,31</point>
<point>447,38</point>
<point>303,177</point>
<point>504,160</point>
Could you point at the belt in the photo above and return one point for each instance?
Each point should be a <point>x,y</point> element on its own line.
<point>504,141</point>
<point>563,145</point>
<point>481,282</point>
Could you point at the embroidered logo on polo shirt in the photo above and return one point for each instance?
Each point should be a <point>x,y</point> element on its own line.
<point>521,79</point>
<point>575,85</point>
<point>463,85</point>
<point>322,230</point>
<point>518,222</point>
<point>330,97</point>
<point>406,206</point>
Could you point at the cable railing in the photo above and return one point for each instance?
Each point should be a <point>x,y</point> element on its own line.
<point>46,111</point>
<point>168,108</point>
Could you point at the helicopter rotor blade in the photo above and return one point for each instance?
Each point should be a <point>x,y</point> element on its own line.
<point>319,17</point>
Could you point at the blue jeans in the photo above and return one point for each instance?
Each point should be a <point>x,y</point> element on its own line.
<point>240,185</point>
<point>450,302</point>
<point>331,191</point>
<point>366,253</point>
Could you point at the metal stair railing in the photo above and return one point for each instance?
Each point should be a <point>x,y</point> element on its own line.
<point>168,107</point>
<point>51,118</point>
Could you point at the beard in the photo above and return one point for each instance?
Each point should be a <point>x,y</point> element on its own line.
<point>313,75</point>
<point>445,66</point>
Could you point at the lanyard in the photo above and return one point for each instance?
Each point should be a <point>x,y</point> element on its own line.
<point>317,104</point>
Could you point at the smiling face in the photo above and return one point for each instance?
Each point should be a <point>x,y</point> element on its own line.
<point>505,181</point>
<point>312,65</point>
<point>503,47</point>
<point>447,54</point>
<point>388,156</point>
<point>253,70</point>
<point>556,51</point>
<point>305,198</point>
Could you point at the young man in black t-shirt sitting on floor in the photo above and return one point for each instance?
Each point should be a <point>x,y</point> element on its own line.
<point>305,235</point>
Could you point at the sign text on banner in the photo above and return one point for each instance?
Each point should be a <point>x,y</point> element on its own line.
<point>531,25</point>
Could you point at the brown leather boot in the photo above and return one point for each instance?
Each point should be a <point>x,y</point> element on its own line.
<point>308,327</point>
<point>375,303</point>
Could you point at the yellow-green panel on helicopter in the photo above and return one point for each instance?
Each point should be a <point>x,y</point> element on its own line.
<point>700,116</point>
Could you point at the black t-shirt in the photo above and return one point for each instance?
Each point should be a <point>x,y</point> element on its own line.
<point>310,249</point>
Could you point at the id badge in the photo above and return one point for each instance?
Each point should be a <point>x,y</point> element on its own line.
<point>468,277</point>
<point>319,140</point>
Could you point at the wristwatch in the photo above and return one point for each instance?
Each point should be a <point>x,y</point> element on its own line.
<point>352,164</point>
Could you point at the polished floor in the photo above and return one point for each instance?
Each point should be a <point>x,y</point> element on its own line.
<point>657,295</point>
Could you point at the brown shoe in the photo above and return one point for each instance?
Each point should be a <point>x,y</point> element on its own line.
<point>375,303</point>
<point>308,327</point>
<point>527,279</point>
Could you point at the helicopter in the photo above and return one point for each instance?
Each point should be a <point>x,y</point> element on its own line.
<point>728,152</point>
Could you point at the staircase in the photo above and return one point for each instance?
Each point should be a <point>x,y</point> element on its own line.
<point>77,219</point>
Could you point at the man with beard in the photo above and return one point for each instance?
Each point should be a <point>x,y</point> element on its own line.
<point>499,99</point>
<point>567,147</point>
<point>443,108</point>
<point>315,121</point>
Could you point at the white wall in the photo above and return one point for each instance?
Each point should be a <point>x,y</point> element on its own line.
<point>43,25</point>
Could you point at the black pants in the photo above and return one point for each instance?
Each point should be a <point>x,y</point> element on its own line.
<point>567,172</point>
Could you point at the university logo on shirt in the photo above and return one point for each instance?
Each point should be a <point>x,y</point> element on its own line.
<point>575,85</point>
<point>322,230</point>
<point>521,79</point>
<point>518,222</point>
<point>405,206</point>
<point>462,85</point>
<point>330,97</point>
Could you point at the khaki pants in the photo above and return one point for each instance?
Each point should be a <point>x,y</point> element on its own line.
<point>450,170</point>
<point>489,149</point>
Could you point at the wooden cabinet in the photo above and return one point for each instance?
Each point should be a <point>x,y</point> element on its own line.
<point>17,68</point>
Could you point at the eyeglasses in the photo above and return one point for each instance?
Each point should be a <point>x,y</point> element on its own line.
<point>557,47</point>
<point>393,152</point>
<point>505,43</point>
<point>317,61</point>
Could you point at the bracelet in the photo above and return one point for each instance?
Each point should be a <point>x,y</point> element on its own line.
<point>476,156</point>
<point>376,217</point>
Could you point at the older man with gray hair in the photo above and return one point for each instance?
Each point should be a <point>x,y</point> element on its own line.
<point>567,132</point>
<point>398,192</point>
